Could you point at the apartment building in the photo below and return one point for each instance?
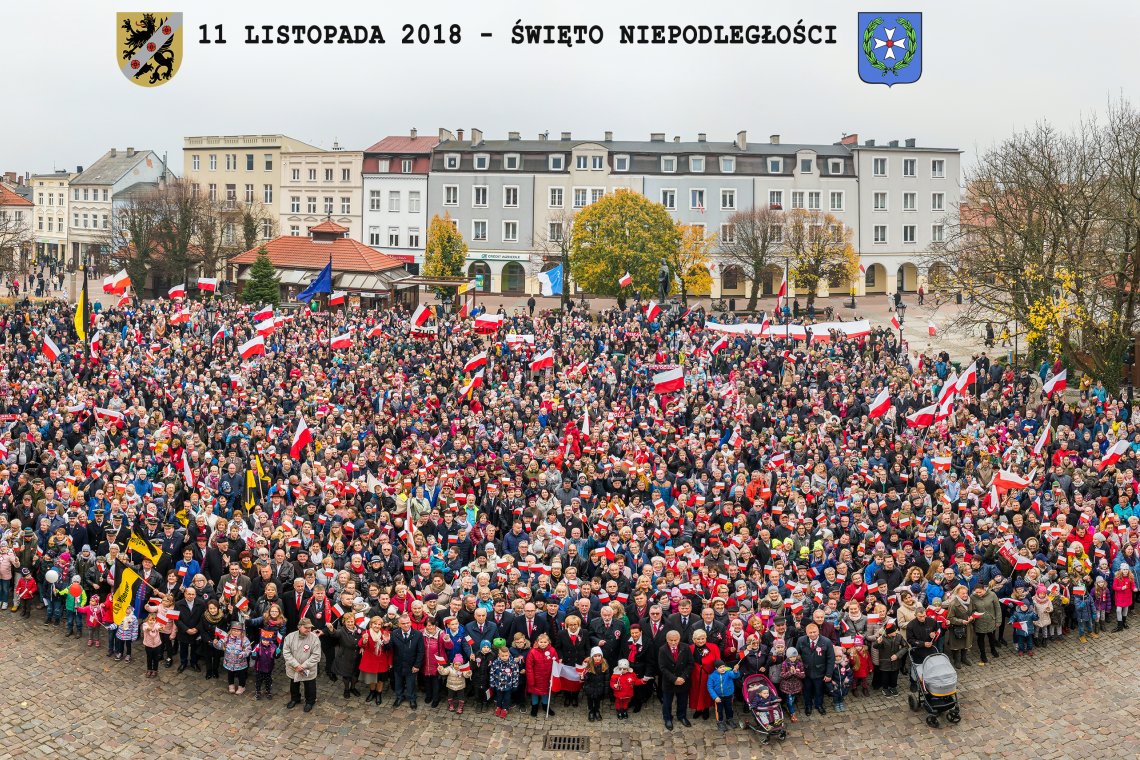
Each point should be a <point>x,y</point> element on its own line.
<point>94,193</point>
<point>15,228</point>
<point>321,184</point>
<point>395,182</point>
<point>50,193</point>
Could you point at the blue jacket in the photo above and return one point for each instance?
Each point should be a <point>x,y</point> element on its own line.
<point>722,684</point>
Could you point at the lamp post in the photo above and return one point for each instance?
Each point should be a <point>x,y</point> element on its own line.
<point>852,304</point>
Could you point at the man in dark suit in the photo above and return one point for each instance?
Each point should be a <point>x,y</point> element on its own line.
<point>501,617</point>
<point>675,663</point>
<point>407,656</point>
<point>818,655</point>
<point>714,631</point>
<point>292,602</point>
<point>682,620</point>
<point>610,635</point>
<point>190,610</point>
<point>643,659</point>
<point>480,629</point>
<point>654,629</point>
<point>530,625</point>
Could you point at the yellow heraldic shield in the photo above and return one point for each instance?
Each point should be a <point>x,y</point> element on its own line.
<point>149,46</point>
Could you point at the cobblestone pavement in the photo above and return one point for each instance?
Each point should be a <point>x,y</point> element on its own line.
<point>1070,701</point>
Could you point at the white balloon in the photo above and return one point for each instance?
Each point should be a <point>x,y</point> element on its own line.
<point>51,576</point>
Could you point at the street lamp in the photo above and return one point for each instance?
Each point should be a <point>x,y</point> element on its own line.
<point>852,304</point>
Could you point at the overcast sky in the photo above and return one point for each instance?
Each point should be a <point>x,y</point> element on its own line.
<point>988,68</point>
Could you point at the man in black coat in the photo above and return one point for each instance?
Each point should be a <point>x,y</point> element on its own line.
<point>714,631</point>
<point>530,624</point>
<point>407,657</point>
<point>682,621</point>
<point>292,602</point>
<point>642,658</point>
<point>610,635</point>
<point>818,655</point>
<point>675,663</point>
<point>190,610</point>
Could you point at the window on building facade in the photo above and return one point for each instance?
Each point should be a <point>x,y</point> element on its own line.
<point>406,166</point>
<point>394,201</point>
<point>311,204</point>
<point>728,200</point>
<point>879,167</point>
<point>936,233</point>
<point>727,233</point>
<point>267,194</point>
<point>880,234</point>
<point>450,161</point>
<point>813,200</point>
<point>294,230</point>
<point>908,233</point>
<point>621,163</point>
<point>668,164</point>
<point>836,200</point>
<point>937,168</point>
<point>937,201</point>
<point>597,162</point>
<point>346,205</point>
<point>213,162</point>
<point>510,232</point>
<point>479,196</point>
<point>413,201</point>
<point>249,162</point>
<point>346,175</point>
<point>213,192</point>
<point>696,164</point>
<point>581,162</point>
<point>196,162</point>
<point>268,162</point>
<point>835,166</point>
<point>555,232</point>
<point>482,162</point>
<point>479,229</point>
<point>697,199</point>
<point>510,197</point>
<point>880,201</point>
<point>596,194</point>
<point>669,199</point>
<point>909,167</point>
<point>394,237</point>
<point>296,175</point>
<point>451,195</point>
<point>807,166</point>
<point>727,164</point>
<point>511,162</point>
<point>797,199</point>
<point>248,193</point>
<point>910,201</point>
<point>775,166</point>
<point>328,204</point>
<point>776,200</point>
<point>557,162</point>
<point>580,197</point>
<point>413,237</point>
<point>374,198</point>
<point>555,197</point>
<point>374,237</point>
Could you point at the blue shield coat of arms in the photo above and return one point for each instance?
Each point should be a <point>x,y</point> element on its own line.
<point>890,48</point>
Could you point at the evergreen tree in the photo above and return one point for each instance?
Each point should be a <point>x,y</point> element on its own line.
<point>263,286</point>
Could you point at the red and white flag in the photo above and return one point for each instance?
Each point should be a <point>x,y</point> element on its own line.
<point>264,313</point>
<point>1055,383</point>
<point>475,362</point>
<point>1113,455</point>
<point>564,678</point>
<point>881,404</point>
<point>375,332</point>
<point>652,311</point>
<point>931,329</point>
<point>301,438</point>
<point>219,334</point>
<point>895,322</point>
<point>51,350</point>
<point>253,347</point>
<point>341,341</point>
<point>336,298</point>
<point>208,284</point>
<point>721,344</point>
<point>669,381</point>
<point>124,299</point>
<point>783,292</point>
<point>108,415</point>
<point>187,472</point>
<point>421,315</point>
<point>967,378</point>
<point>1005,480</point>
<point>116,283</point>
<point>543,360</point>
<point>178,291</point>
<point>625,280</point>
<point>924,417</point>
<point>488,323</point>
<point>941,464</point>
<point>1043,440</point>
<point>475,382</point>
<point>267,327</point>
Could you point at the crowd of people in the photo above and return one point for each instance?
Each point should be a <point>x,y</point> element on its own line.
<point>432,514</point>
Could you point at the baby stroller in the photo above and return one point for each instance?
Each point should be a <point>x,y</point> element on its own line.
<point>767,721</point>
<point>937,690</point>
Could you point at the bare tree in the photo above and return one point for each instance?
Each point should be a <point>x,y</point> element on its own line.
<point>554,242</point>
<point>15,237</point>
<point>754,240</point>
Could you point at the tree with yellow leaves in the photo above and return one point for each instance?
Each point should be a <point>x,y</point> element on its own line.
<point>445,251</point>
<point>622,232</point>
<point>820,248</point>
<point>689,263</point>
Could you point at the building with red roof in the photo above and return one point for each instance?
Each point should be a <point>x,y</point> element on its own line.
<point>395,172</point>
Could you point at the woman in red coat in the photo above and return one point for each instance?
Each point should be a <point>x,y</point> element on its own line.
<point>539,664</point>
<point>375,658</point>
<point>704,655</point>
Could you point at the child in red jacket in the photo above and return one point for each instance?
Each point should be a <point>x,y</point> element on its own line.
<point>861,665</point>
<point>1123,585</point>
<point>26,591</point>
<point>623,682</point>
<point>93,613</point>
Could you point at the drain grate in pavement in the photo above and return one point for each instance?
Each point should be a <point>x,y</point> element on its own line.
<point>566,743</point>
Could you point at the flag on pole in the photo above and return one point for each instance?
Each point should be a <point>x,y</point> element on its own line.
<point>652,311</point>
<point>564,678</point>
<point>178,291</point>
<point>144,546</point>
<point>341,341</point>
<point>543,360</point>
<point>1005,480</point>
<point>895,322</point>
<point>264,313</point>
<point>1043,440</point>
<point>1113,455</point>
<point>669,381</point>
<point>252,347</point>
<point>301,438</point>
<point>337,298</point>
<point>123,593</point>
<point>421,315</point>
<point>322,283</point>
<point>81,311</point>
<point>931,329</point>
<point>208,284</point>
<point>115,283</point>
<point>880,404</point>
<point>475,362</point>
<point>1055,383</point>
<point>51,350</point>
<point>625,280</point>
<point>551,281</point>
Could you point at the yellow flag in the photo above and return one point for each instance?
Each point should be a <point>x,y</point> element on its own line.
<point>260,470</point>
<point>123,595</point>
<point>81,310</point>
<point>250,487</point>
<point>144,546</point>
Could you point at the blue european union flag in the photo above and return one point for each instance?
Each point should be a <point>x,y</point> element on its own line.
<point>323,284</point>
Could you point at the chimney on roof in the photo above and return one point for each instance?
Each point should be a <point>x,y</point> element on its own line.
<point>459,135</point>
<point>565,135</point>
<point>542,136</point>
<point>869,143</point>
<point>849,140</point>
<point>609,136</point>
<point>742,140</point>
<point>656,137</point>
<point>910,142</point>
<point>513,136</point>
<point>114,152</point>
<point>336,144</point>
<point>130,152</point>
<point>445,135</point>
<point>414,133</point>
<point>676,138</point>
<point>893,143</point>
<point>79,170</point>
<point>476,137</point>
<point>774,139</point>
<point>701,137</point>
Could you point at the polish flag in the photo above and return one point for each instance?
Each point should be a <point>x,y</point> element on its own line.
<point>51,350</point>
<point>564,678</point>
<point>669,381</point>
<point>178,291</point>
<point>208,284</point>
<point>941,464</point>
<point>1005,480</point>
<point>543,360</point>
<point>337,298</point>
<point>341,341</point>
<point>652,311</point>
<point>1023,563</point>
<point>582,368</point>
<point>720,344</point>
<point>1055,383</point>
<point>895,322</point>
<point>1022,625</point>
<point>476,381</point>
<point>220,334</point>
<point>881,404</point>
<point>475,362</point>
<point>1112,455</point>
<point>1043,441</point>
<point>625,280</point>
<point>266,328</point>
<point>421,315</point>
<point>124,299</point>
<point>181,317</point>
<point>301,438</point>
<point>924,417</point>
<point>187,472</point>
<point>488,323</point>
<point>931,329</point>
<point>253,347</point>
<point>586,423</point>
<point>783,292</point>
<point>968,378</point>
<point>949,388</point>
<point>264,313</point>
<point>375,332</point>
<point>108,415</point>
<point>116,283</point>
